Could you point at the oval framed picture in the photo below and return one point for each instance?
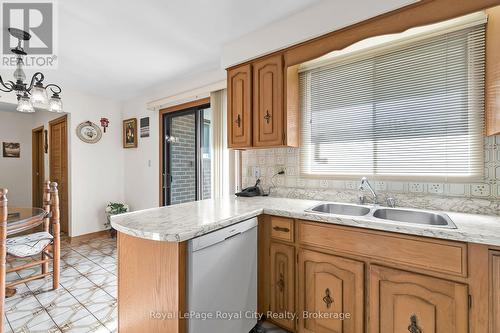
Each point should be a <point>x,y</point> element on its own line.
<point>89,132</point>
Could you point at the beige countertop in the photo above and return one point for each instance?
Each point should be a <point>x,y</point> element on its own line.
<point>182,222</point>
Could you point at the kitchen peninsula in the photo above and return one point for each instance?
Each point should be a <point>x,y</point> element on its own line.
<point>453,268</point>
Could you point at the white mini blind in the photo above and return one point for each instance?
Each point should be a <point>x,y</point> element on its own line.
<point>413,112</point>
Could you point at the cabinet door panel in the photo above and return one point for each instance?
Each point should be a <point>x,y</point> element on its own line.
<point>268,102</point>
<point>407,302</point>
<point>495,291</point>
<point>330,285</point>
<point>239,104</point>
<point>282,283</point>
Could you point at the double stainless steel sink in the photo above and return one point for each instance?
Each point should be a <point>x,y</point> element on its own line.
<point>403,215</point>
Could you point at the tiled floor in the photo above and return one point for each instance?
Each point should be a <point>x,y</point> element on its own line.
<point>85,300</point>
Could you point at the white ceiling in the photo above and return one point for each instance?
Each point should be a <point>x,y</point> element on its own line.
<point>119,48</point>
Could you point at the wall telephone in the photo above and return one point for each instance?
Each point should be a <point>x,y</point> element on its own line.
<point>251,191</point>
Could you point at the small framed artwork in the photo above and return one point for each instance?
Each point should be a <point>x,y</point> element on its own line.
<point>11,149</point>
<point>144,125</point>
<point>130,133</point>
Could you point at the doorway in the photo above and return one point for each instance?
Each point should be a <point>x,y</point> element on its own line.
<point>38,165</point>
<point>186,155</point>
<point>58,165</point>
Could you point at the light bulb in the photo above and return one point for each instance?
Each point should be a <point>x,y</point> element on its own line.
<point>39,95</point>
<point>55,104</point>
<point>24,104</point>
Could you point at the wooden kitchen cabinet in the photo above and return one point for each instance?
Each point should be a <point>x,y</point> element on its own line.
<point>239,101</point>
<point>282,280</point>
<point>331,285</point>
<point>495,291</point>
<point>268,102</point>
<point>492,79</point>
<point>401,301</point>
<point>263,104</point>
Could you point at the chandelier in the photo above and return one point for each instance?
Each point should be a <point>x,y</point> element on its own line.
<point>34,94</point>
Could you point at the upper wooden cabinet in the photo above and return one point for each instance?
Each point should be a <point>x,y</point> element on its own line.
<point>264,95</point>
<point>239,101</point>
<point>407,302</point>
<point>330,285</point>
<point>492,88</point>
<point>268,102</point>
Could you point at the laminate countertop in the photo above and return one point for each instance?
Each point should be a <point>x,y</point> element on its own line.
<point>186,221</point>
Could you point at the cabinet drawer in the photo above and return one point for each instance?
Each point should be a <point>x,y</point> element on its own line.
<point>424,253</point>
<point>282,228</point>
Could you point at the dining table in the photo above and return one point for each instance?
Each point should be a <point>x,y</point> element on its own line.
<point>19,220</point>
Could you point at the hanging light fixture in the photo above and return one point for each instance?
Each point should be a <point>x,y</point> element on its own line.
<point>34,94</point>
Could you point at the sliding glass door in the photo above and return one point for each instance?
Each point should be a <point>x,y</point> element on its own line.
<point>187,155</point>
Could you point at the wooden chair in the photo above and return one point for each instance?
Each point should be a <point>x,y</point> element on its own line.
<point>45,244</point>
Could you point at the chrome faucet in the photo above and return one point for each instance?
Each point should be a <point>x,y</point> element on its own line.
<point>365,182</point>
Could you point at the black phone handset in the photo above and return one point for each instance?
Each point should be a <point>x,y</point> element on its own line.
<point>251,191</point>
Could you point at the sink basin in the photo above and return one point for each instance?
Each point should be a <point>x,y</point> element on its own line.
<point>340,209</point>
<point>414,216</point>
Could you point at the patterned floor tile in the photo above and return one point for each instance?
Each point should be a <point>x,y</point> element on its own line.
<point>85,300</point>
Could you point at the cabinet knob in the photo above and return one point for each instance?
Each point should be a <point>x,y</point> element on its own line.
<point>268,116</point>
<point>328,299</point>
<point>281,282</point>
<point>238,121</point>
<point>413,328</point>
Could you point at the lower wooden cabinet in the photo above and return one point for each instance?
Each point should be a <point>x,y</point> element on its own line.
<point>495,291</point>
<point>332,287</point>
<point>282,276</point>
<point>401,301</point>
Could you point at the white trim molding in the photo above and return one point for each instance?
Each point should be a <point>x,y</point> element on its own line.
<point>187,96</point>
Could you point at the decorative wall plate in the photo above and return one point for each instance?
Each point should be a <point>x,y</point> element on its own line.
<point>89,132</point>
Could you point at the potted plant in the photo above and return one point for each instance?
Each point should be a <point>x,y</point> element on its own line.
<point>114,208</point>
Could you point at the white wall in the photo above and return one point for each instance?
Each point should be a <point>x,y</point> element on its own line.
<point>15,173</point>
<point>96,171</point>
<point>325,17</point>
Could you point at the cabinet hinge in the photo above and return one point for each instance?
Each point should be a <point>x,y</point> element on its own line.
<point>470,301</point>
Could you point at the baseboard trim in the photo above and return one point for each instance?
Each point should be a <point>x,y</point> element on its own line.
<point>86,237</point>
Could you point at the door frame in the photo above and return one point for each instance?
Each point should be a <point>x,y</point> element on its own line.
<point>37,145</point>
<point>161,136</point>
<point>63,200</point>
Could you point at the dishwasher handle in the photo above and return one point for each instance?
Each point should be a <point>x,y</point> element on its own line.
<point>232,236</point>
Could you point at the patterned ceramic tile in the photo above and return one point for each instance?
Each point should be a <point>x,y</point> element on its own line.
<point>85,300</point>
<point>478,192</point>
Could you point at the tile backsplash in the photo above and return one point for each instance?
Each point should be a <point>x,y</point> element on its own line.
<point>482,197</point>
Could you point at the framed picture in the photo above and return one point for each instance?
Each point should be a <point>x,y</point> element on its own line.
<point>130,133</point>
<point>11,149</point>
<point>144,124</point>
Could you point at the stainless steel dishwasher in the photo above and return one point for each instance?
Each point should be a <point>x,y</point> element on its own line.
<point>222,280</point>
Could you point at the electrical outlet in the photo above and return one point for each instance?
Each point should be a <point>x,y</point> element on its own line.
<point>301,183</point>
<point>416,187</point>
<point>323,183</point>
<point>256,172</point>
<point>350,185</point>
<point>290,171</point>
<point>435,188</point>
<point>380,186</point>
<point>480,190</point>
<point>280,159</point>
